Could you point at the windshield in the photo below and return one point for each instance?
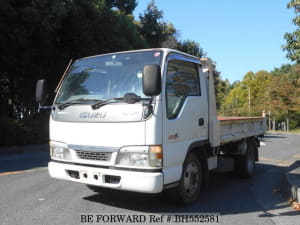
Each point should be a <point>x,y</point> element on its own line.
<point>107,76</point>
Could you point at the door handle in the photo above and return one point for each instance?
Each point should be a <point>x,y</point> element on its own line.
<point>201,122</point>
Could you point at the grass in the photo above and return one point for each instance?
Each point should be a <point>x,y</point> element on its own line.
<point>295,130</point>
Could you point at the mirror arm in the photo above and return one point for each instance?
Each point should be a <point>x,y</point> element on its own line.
<point>43,107</point>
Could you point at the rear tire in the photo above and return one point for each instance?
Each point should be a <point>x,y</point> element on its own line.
<point>188,190</point>
<point>245,164</point>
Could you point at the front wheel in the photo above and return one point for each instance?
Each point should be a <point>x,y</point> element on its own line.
<point>189,187</point>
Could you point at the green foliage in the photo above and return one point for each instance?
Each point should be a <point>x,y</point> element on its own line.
<point>39,37</point>
<point>285,91</point>
<point>153,28</point>
<point>294,120</point>
<point>125,6</point>
<point>277,93</point>
<point>236,103</point>
<point>293,39</point>
<point>190,47</point>
<point>29,131</point>
<point>222,88</point>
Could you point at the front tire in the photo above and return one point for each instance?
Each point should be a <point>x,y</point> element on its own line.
<point>188,190</point>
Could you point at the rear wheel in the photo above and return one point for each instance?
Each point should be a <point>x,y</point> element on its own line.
<point>188,190</point>
<point>245,164</point>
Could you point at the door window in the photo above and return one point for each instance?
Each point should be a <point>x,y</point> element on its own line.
<point>182,81</point>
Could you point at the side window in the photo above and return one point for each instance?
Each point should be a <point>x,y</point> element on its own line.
<point>182,81</point>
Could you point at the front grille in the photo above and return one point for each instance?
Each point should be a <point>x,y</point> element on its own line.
<point>100,156</point>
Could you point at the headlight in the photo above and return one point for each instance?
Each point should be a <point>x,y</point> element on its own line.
<point>59,151</point>
<point>140,156</point>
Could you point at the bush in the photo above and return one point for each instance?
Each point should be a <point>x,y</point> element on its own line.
<point>33,130</point>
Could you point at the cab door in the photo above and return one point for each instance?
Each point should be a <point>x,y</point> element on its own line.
<point>185,114</point>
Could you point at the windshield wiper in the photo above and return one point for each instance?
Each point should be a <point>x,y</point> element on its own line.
<point>129,98</point>
<point>74,102</point>
<point>105,102</point>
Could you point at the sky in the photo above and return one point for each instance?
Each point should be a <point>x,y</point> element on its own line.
<point>239,35</point>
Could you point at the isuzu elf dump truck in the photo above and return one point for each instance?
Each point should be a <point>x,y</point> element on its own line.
<point>145,121</point>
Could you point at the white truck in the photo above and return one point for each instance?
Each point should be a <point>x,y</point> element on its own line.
<point>145,121</point>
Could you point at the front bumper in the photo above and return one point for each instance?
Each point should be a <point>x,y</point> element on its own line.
<point>145,182</point>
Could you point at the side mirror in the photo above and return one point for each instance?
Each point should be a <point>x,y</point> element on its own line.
<point>40,91</point>
<point>151,80</point>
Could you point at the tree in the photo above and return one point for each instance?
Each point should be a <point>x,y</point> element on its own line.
<point>153,28</point>
<point>236,103</point>
<point>38,38</point>
<point>293,39</point>
<point>171,40</point>
<point>125,6</point>
<point>190,47</point>
<point>222,88</point>
<point>285,95</point>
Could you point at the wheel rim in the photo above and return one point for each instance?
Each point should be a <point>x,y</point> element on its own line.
<point>191,179</point>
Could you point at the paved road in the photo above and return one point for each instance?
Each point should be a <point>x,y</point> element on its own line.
<point>32,197</point>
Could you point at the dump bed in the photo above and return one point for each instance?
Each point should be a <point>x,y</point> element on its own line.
<point>237,128</point>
